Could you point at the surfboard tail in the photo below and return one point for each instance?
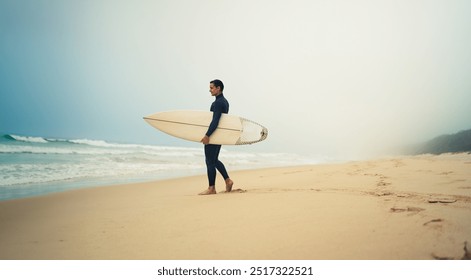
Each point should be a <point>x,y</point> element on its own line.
<point>252,132</point>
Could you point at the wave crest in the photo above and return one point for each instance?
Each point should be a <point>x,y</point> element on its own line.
<point>30,139</point>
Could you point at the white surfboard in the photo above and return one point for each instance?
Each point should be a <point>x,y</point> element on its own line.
<point>193,125</point>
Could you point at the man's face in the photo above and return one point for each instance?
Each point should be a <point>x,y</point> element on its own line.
<point>215,91</point>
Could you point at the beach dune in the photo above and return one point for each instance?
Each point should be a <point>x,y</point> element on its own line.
<point>416,207</point>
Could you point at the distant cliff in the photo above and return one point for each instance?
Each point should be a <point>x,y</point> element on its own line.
<point>454,143</point>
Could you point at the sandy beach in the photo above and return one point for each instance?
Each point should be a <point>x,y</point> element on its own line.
<point>399,208</point>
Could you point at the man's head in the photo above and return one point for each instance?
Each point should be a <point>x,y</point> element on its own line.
<point>216,87</point>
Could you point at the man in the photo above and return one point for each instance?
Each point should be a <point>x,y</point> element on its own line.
<point>211,152</point>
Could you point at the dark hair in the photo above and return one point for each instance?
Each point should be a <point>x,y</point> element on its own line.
<point>218,83</point>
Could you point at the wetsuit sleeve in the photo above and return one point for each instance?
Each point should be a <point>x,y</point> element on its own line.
<point>217,112</point>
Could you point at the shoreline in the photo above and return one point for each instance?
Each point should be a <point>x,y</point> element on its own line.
<point>398,208</point>
<point>22,191</point>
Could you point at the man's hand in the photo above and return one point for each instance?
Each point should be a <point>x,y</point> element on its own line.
<point>205,140</point>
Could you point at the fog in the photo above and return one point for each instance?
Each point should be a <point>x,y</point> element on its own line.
<point>344,79</point>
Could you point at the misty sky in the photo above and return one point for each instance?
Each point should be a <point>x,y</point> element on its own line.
<point>337,78</point>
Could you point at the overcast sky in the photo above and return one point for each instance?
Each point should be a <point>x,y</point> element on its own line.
<point>338,78</point>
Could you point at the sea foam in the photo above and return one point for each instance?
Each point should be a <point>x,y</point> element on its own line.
<point>36,163</point>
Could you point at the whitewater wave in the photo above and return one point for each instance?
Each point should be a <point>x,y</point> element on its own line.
<point>41,145</point>
<point>40,163</point>
<point>56,172</point>
<point>30,139</point>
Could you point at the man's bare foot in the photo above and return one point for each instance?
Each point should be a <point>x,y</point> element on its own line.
<point>229,184</point>
<point>210,190</point>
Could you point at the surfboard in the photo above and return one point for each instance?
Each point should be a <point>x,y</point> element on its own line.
<point>193,125</point>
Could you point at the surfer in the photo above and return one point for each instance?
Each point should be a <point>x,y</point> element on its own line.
<point>211,152</point>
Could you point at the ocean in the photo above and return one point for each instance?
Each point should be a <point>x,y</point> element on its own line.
<point>31,165</point>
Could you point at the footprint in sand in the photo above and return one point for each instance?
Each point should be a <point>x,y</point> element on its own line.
<point>382,184</point>
<point>467,253</point>
<point>406,209</point>
<point>441,200</point>
<point>466,256</point>
<point>235,191</point>
<point>383,193</point>
<point>434,221</point>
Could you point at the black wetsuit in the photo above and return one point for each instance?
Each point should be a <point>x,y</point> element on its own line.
<point>211,152</point>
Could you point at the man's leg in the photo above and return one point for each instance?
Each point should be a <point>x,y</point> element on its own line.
<point>211,153</point>
<point>222,169</point>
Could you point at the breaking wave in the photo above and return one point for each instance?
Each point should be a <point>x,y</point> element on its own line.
<point>32,162</point>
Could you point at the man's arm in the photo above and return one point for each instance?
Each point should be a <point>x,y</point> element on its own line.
<point>217,113</point>
<point>214,122</point>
